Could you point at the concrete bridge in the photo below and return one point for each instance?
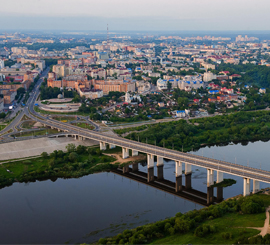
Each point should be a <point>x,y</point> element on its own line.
<point>183,161</point>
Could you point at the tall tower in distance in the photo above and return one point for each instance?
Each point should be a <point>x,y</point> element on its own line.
<point>107,34</point>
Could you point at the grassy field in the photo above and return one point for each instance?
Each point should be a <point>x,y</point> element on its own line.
<point>64,118</point>
<point>57,164</point>
<point>84,125</point>
<point>235,224</point>
<point>2,126</point>
<point>40,132</point>
<point>232,221</point>
<point>64,113</point>
<point>28,124</point>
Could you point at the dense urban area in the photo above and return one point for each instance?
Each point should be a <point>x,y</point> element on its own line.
<point>179,93</point>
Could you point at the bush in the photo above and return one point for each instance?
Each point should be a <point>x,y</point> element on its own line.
<point>44,154</point>
<point>71,148</point>
<point>226,235</point>
<point>73,156</point>
<point>102,241</point>
<point>252,205</point>
<point>183,225</point>
<point>203,230</point>
<point>27,162</point>
<point>80,149</point>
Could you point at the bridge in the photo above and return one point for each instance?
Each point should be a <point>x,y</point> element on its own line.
<point>182,160</point>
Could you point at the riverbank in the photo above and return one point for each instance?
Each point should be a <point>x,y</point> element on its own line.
<point>200,132</point>
<point>76,162</point>
<point>34,147</point>
<point>237,220</point>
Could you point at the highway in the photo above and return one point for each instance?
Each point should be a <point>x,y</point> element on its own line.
<point>226,167</point>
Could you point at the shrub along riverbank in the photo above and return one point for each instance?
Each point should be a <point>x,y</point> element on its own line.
<point>224,223</point>
<point>76,162</point>
<point>195,133</point>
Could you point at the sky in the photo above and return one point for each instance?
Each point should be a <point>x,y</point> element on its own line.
<point>135,15</point>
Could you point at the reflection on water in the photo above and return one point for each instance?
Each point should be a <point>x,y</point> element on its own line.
<point>104,204</point>
<point>81,210</point>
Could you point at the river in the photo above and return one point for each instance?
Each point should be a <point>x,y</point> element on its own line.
<point>105,204</point>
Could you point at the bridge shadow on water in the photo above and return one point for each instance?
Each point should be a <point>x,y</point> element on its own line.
<point>175,188</point>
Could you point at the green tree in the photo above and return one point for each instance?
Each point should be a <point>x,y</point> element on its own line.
<point>44,154</point>
<point>71,147</point>
<point>73,157</point>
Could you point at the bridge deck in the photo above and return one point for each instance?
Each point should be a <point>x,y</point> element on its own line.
<point>226,167</point>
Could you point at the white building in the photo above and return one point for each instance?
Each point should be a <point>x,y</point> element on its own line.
<point>182,113</point>
<point>2,64</point>
<point>90,93</point>
<point>262,90</point>
<point>133,98</point>
<point>209,76</point>
<point>1,104</point>
<point>190,82</point>
<point>162,84</point>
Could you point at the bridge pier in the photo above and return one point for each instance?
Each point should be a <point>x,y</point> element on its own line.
<point>246,187</point>
<point>256,186</point>
<point>210,195</point>
<point>111,146</point>
<point>188,172</point>
<point>125,153</point>
<point>135,167</point>
<point>150,166</point>
<point>219,189</point>
<point>135,153</point>
<point>219,193</point>
<point>188,181</point>
<point>210,177</point>
<point>160,174</point>
<point>160,165</point>
<point>125,169</point>
<point>160,161</point>
<point>178,176</point>
<point>102,146</point>
<point>188,168</point>
<point>150,160</point>
<point>219,176</point>
<point>150,175</point>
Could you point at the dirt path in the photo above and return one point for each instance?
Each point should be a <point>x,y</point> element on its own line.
<point>120,160</point>
<point>265,229</point>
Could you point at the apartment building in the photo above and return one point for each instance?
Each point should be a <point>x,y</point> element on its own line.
<point>191,82</point>
<point>9,97</point>
<point>1,104</point>
<point>90,93</point>
<point>114,85</point>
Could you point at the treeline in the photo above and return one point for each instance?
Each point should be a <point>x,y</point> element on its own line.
<point>192,221</point>
<point>52,93</point>
<point>253,74</point>
<point>76,162</point>
<point>125,130</point>
<point>50,62</point>
<point>241,126</point>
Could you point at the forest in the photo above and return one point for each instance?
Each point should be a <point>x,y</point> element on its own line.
<point>195,133</point>
<point>251,74</point>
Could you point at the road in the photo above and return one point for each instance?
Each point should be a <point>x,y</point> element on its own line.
<point>226,167</point>
<point>23,111</point>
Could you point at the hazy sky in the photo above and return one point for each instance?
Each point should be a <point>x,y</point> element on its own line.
<point>135,14</point>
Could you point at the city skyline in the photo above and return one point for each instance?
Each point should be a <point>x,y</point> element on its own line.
<point>146,15</point>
